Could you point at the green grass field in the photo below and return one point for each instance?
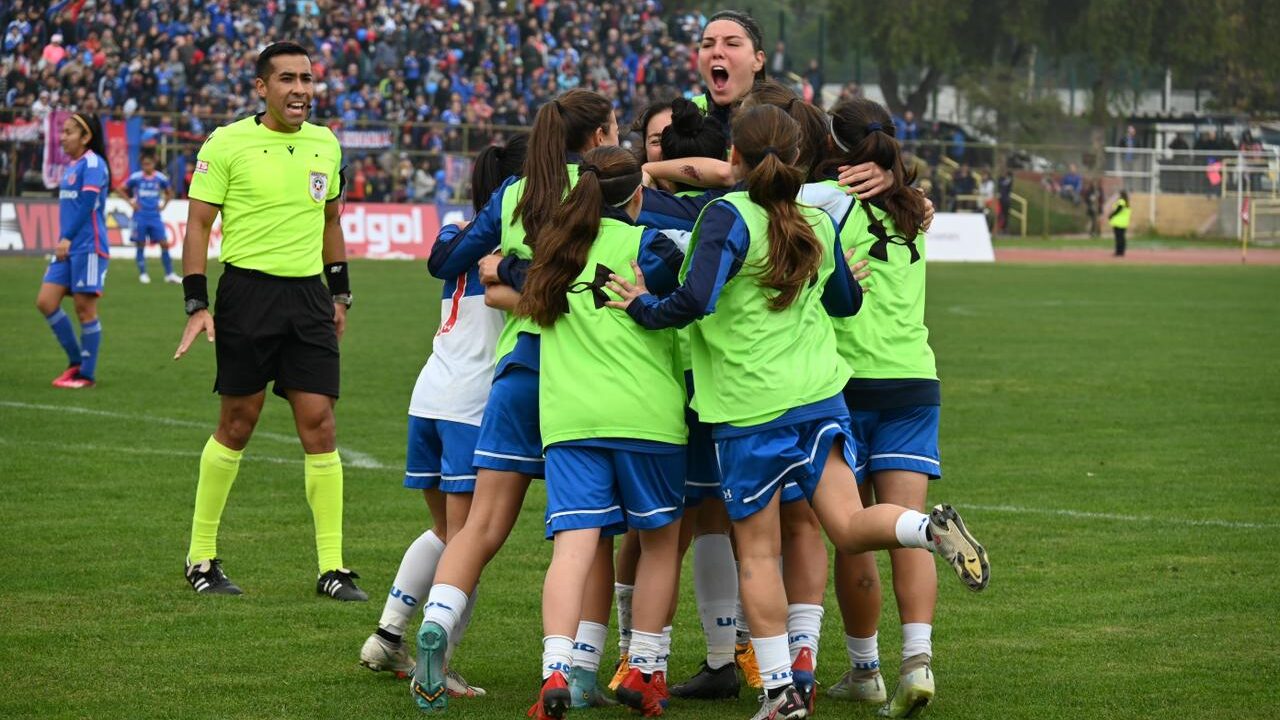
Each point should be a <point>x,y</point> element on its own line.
<point>1111,433</point>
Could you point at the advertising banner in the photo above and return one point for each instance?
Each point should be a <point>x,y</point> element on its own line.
<point>962,237</point>
<point>55,160</point>
<point>117,152</point>
<point>372,230</point>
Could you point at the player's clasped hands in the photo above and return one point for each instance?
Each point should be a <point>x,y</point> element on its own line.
<point>489,269</point>
<point>628,291</point>
<point>201,321</point>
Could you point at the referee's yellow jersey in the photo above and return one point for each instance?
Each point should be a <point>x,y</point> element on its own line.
<point>272,188</point>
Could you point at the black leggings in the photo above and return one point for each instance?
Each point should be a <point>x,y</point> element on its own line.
<point>1119,241</point>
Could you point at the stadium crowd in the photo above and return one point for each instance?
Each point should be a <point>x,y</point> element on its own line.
<point>487,63</point>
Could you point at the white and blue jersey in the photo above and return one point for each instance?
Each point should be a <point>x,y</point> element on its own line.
<point>82,205</point>
<point>148,191</point>
<point>452,389</point>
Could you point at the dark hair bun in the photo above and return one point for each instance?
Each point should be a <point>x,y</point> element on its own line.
<point>686,118</point>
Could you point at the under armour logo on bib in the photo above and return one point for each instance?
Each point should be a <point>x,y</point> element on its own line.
<point>595,287</point>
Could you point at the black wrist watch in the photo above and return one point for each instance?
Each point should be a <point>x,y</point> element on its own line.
<point>343,299</point>
<point>195,305</point>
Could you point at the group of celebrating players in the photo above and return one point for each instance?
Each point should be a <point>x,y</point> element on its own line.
<point>685,366</point>
<point>687,348</point>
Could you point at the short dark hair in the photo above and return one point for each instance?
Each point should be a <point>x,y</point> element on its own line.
<point>286,47</point>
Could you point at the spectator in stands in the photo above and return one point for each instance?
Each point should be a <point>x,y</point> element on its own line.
<point>1093,206</point>
<point>1071,186</point>
<point>964,186</point>
<point>1004,190</point>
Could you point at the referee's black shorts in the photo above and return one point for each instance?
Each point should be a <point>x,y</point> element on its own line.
<point>268,328</point>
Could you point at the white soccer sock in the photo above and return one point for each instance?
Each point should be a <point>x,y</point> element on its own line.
<point>413,581</point>
<point>445,607</point>
<point>715,585</point>
<point>804,627</point>
<point>912,530</point>
<point>557,655</point>
<point>774,661</point>
<point>464,622</point>
<point>664,649</point>
<point>864,653</point>
<point>917,638</point>
<point>742,629</point>
<point>588,645</point>
<point>624,593</point>
<point>645,649</point>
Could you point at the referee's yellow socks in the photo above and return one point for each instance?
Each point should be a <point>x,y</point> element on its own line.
<point>218,467</point>
<point>324,494</point>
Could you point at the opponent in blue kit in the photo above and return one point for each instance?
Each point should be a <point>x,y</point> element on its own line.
<point>79,266</point>
<point>148,192</point>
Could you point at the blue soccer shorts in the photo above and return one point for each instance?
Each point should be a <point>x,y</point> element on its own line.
<point>510,439</point>
<point>439,455</point>
<point>753,466</point>
<point>903,438</point>
<point>148,230</point>
<point>83,273</point>
<point>613,488</point>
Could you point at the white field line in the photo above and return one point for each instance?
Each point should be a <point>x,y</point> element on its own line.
<point>1085,515</point>
<point>352,458</point>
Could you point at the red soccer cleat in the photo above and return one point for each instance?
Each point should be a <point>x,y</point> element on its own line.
<point>639,693</point>
<point>553,700</point>
<point>75,382</point>
<point>67,374</point>
<point>803,678</point>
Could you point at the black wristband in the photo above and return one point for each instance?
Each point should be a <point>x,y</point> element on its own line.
<point>335,274</point>
<point>196,287</point>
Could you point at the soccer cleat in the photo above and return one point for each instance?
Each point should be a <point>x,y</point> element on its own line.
<point>953,543</point>
<point>379,654</point>
<point>70,372</point>
<point>206,577</point>
<point>173,279</point>
<point>660,687</point>
<point>708,684</point>
<point>145,279</point>
<point>744,654</point>
<point>620,672</point>
<point>428,683</point>
<point>75,382</point>
<point>586,691</point>
<point>457,686</point>
<point>553,700</point>
<point>914,692</point>
<point>865,686</point>
<point>340,584</point>
<point>802,677</point>
<point>787,706</point>
<point>642,694</point>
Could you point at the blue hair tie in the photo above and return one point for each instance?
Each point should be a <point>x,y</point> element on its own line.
<point>872,127</point>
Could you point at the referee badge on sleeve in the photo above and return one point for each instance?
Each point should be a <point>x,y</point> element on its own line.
<point>319,186</point>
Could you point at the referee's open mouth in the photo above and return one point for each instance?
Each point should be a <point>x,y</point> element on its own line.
<point>296,109</point>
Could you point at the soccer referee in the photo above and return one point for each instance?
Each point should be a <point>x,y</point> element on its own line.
<point>276,179</point>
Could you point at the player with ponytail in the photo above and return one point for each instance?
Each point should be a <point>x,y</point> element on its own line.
<point>763,275</point>
<point>508,451</point>
<point>79,265</point>
<point>606,471</point>
<point>445,410</point>
<point>894,401</point>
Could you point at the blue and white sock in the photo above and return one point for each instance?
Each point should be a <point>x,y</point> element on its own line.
<point>588,645</point>
<point>864,653</point>
<point>60,324</point>
<point>557,655</point>
<point>90,339</point>
<point>166,260</point>
<point>645,650</point>
<point>141,258</point>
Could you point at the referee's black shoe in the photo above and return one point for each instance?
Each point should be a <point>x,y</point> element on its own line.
<point>340,584</point>
<point>708,684</point>
<point>207,578</point>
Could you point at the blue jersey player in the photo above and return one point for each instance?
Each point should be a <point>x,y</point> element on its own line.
<point>148,192</point>
<point>79,266</point>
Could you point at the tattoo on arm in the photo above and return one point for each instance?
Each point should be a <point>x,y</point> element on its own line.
<point>690,171</point>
